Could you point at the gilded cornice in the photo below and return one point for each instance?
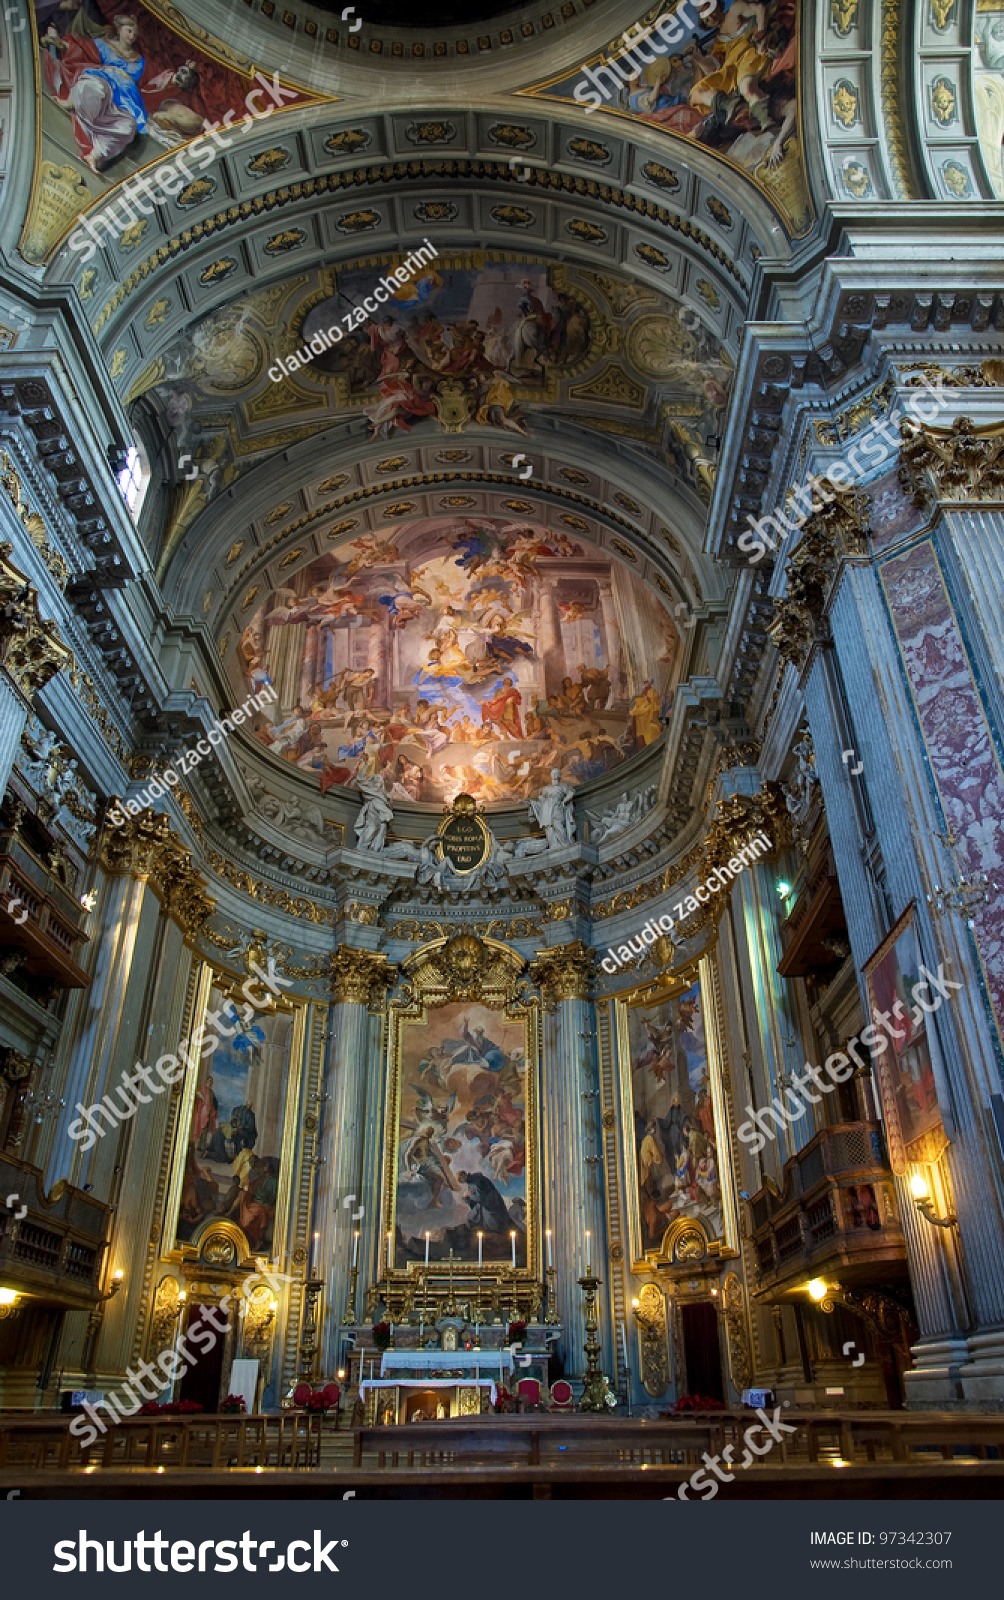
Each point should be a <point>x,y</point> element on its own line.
<point>463,170</point>
<point>31,649</point>
<point>145,847</point>
<point>892,81</point>
<point>463,967</point>
<point>565,972</point>
<point>33,521</point>
<point>257,889</point>
<point>360,976</point>
<point>963,462</point>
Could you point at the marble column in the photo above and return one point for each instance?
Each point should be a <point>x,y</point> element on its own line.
<point>550,650</point>
<point>359,978</point>
<point>612,639</point>
<point>13,715</point>
<point>572,1176</point>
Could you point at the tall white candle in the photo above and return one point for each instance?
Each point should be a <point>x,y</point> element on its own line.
<point>371,1369</point>
<point>481,1240</point>
<point>355,1249</point>
<point>513,1238</point>
<point>624,1346</point>
<point>548,1236</point>
<point>427,1247</point>
<point>314,1257</point>
<point>588,1267</point>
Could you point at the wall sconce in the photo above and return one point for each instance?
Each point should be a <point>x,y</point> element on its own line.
<point>645,1322</point>
<point>820,1293</point>
<point>118,1278</point>
<point>8,1304</point>
<point>925,1205</point>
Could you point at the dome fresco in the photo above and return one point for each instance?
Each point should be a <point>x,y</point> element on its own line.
<point>460,654</point>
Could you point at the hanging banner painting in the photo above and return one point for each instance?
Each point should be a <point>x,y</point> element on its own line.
<point>915,1130</point>
<point>676,1142</point>
<point>234,1165</point>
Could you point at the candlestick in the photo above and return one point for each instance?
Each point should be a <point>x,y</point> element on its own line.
<point>355,1249</point>
<point>596,1392</point>
<point>513,1238</point>
<point>427,1247</point>
<point>481,1240</point>
<point>547,1236</point>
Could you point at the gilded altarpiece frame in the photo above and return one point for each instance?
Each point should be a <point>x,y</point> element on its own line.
<point>463,1042</point>
<point>676,1134</point>
<point>288,1181</point>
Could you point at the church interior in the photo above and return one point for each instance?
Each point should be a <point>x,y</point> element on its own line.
<point>501,666</point>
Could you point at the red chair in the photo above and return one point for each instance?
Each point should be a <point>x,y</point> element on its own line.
<point>528,1393</point>
<point>561,1396</point>
<point>331,1393</point>
<point>301,1394</point>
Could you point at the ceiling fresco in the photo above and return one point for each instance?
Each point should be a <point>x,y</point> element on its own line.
<point>480,341</point>
<point>119,92</point>
<point>731,85</point>
<point>460,654</point>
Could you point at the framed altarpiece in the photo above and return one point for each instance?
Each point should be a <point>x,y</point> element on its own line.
<point>461,1141</point>
<point>242,1162</point>
<point>677,1202</point>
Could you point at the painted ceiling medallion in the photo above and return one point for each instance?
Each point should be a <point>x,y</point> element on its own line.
<point>281,243</point>
<point>513,216</point>
<point>586,231</point>
<point>844,103</point>
<point>513,137</point>
<point>720,212</point>
<point>589,150</point>
<point>331,484</point>
<point>217,270</point>
<point>451,457</point>
<point>943,101</point>
<point>431,133</point>
<point>437,211</point>
<point>662,177</point>
<point>403,508</point>
<point>654,257</point>
<point>268,162</point>
<point>278,513</point>
<point>348,141</point>
<point>572,475</point>
<point>341,528</point>
<point>628,504</point>
<point>392,464</point>
<point>359,221</point>
<point>195,192</point>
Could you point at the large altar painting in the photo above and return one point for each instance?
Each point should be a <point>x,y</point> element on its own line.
<point>233,1145</point>
<point>915,1129</point>
<point>677,1142</point>
<point>460,654</point>
<point>461,1136</point>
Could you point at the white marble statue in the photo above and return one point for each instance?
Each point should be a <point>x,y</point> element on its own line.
<point>375,814</point>
<point>552,810</point>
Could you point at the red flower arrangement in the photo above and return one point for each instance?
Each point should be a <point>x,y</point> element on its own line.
<point>234,1403</point>
<point>517,1332</point>
<point>505,1400</point>
<point>318,1401</point>
<point>696,1402</point>
<point>381,1335</point>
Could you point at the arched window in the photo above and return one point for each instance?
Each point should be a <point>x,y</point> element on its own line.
<point>134,479</point>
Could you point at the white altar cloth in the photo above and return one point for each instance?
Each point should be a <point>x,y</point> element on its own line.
<point>432,1361</point>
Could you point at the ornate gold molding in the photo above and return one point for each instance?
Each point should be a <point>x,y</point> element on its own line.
<point>565,972</point>
<point>734,1311</point>
<point>963,462</point>
<point>31,650</point>
<point>145,848</point>
<point>833,531</point>
<point>650,1315</point>
<point>33,521</point>
<point>360,976</point>
<point>465,967</point>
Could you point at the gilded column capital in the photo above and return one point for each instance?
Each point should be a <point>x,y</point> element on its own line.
<point>963,462</point>
<point>31,650</point>
<point>361,976</point>
<point>834,530</point>
<point>145,847</point>
<point>565,972</point>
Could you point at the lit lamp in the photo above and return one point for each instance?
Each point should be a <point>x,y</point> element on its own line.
<point>925,1205</point>
<point>819,1293</point>
<point>8,1307</point>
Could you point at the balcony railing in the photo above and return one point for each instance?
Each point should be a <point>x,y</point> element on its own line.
<point>54,1252</point>
<point>835,1213</point>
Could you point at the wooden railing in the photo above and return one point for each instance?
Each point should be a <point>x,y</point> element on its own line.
<point>848,1438</point>
<point>40,1444</point>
